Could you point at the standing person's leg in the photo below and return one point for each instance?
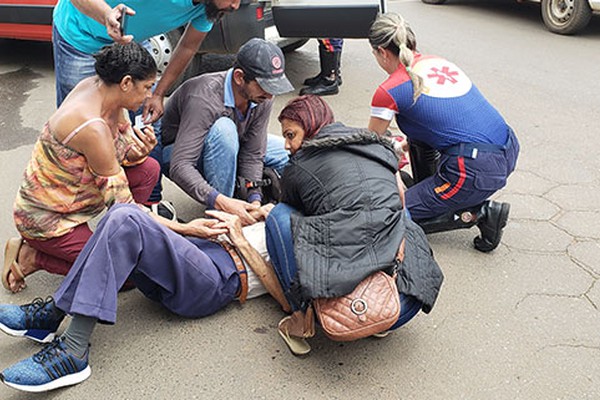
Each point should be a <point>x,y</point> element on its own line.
<point>218,162</point>
<point>70,66</point>
<point>156,153</point>
<point>330,51</point>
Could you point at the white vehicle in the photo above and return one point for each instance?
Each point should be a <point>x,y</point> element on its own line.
<point>564,17</point>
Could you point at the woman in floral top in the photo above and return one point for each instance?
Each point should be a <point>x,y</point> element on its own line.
<point>76,169</point>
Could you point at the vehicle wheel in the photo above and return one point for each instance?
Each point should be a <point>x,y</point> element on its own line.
<point>162,48</point>
<point>294,46</point>
<point>566,17</point>
<point>433,1</point>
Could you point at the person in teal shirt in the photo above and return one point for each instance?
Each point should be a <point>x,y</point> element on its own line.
<point>82,27</point>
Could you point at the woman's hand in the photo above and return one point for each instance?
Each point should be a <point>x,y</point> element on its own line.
<point>144,141</point>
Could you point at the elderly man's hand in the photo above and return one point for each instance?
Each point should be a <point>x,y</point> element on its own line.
<point>233,224</point>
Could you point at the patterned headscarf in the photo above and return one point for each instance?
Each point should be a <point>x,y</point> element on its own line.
<point>311,112</point>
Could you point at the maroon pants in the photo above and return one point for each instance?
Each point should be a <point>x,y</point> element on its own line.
<point>56,255</point>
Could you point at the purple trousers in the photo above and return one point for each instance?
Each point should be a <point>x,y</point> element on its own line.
<point>189,276</point>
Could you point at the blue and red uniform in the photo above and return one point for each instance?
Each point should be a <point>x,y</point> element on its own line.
<point>479,150</point>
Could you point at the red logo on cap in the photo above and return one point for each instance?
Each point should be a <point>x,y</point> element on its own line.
<point>276,62</point>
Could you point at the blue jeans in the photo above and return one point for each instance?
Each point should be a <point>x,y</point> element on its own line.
<point>218,161</point>
<point>280,246</point>
<point>70,66</point>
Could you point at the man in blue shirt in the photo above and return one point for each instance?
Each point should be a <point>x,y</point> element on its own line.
<point>82,27</point>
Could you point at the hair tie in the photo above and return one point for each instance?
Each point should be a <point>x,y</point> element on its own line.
<point>408,69</point>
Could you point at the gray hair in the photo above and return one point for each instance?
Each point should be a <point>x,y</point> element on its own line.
<point>392,32</point>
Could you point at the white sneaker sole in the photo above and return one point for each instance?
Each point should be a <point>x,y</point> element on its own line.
<point>67,380</point>
<point>20,333</point>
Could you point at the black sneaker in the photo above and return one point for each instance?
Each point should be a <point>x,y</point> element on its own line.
<point>37,321</point>
<point>491,225</point>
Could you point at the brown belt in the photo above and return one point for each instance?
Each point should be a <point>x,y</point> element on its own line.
<point>241,270</point>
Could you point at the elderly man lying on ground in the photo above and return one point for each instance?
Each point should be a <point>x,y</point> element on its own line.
<point>172,263</point>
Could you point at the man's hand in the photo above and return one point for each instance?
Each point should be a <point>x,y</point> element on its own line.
<point>153,108</point>
<point>237,207</point>
<point>261,213</point>
<point>206,228</point>
<point>113,27</point>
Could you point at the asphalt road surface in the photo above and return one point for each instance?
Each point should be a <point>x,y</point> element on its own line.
<point>519,323</point>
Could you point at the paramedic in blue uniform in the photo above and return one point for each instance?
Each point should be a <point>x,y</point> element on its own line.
<point>435,103</point>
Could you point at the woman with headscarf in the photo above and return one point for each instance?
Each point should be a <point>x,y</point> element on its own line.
<point>341,218</point>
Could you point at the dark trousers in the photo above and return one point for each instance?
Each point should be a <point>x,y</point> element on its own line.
<point>461,182</point>
<point>178,272</point>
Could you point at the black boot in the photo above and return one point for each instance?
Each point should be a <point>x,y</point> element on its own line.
<point>317,78</point>
<point>463,219</point>
<point>423,160</point>
<point>490,217</point>
<point>324,88</point>
<point>491,223</point>
<point>328,84</point>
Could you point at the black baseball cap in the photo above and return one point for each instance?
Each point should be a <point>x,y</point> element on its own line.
<point>264,61</point>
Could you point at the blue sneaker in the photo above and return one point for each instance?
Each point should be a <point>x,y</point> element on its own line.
<point>38,320</point>
<point>51,368</point>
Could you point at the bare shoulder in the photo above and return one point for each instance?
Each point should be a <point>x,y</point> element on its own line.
<point>79,115</point>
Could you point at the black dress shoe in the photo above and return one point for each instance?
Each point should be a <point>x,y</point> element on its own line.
<point>491,225</point>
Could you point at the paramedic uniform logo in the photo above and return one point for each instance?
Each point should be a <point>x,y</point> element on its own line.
<point>442,78</point>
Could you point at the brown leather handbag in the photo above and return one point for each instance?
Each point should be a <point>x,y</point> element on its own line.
<point>372,307</point>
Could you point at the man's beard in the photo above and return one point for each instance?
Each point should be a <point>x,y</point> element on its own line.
<point>213,13</point>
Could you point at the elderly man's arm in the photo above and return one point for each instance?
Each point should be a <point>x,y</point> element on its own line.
<point>184,52</point>
<point>200,227</point>
<point>264,271</point>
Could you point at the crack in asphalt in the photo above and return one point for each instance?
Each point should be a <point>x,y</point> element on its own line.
<point>14,89</point>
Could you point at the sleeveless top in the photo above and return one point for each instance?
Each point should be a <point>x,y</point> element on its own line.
<point>59,190</point>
